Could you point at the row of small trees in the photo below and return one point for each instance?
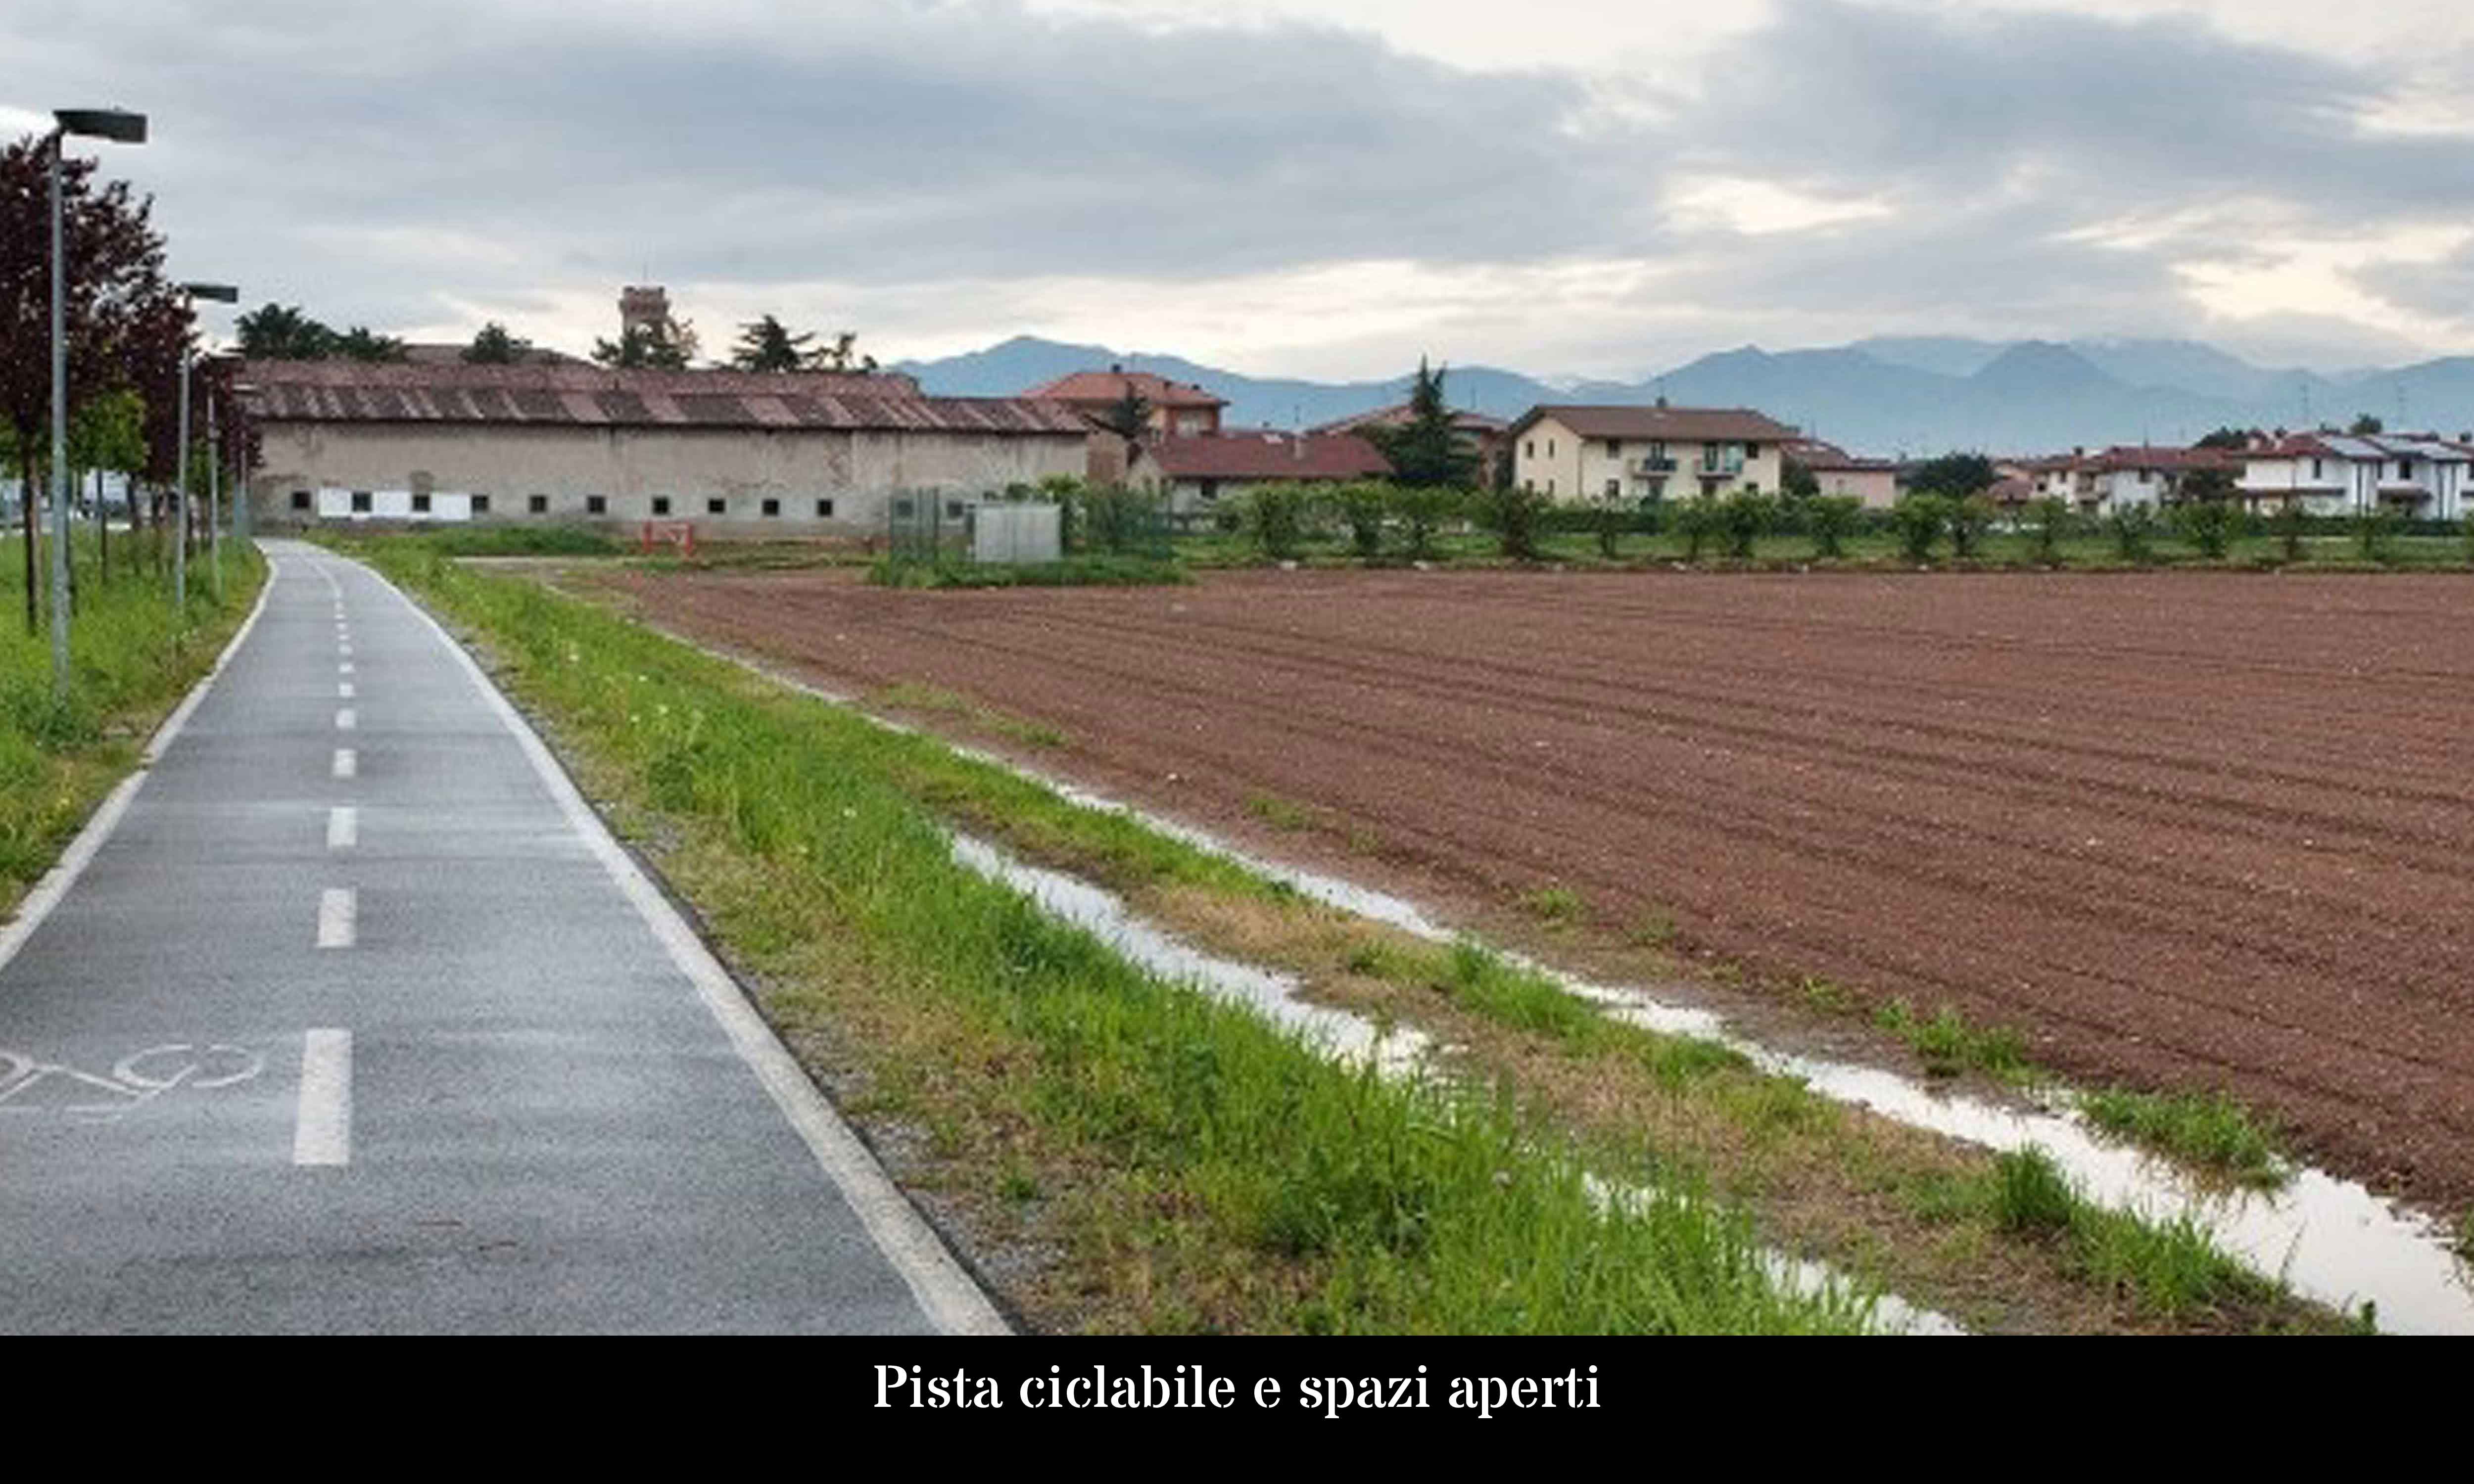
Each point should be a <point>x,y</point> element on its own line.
<point>128,329</point>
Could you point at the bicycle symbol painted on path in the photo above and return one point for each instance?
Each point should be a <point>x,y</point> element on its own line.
<point>30,1085</point>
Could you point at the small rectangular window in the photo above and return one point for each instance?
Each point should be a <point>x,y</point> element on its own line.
<point>1529,449</point>
<point>480,505</point>
<point>717,507</point>
<point>1615,448</point>
<point>902,509</point>
<point>420,504</point>
<point>1614,486</point>
<point>536,504</point>
<point>824,510</point>
<point>661,505</point>
<point>772,507</point>
<point>953,510</point>
<point>596,504</point>
<point>299,499</point>
<point>360,501</point>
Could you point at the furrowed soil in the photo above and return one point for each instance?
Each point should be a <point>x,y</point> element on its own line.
<point>2182,830</point>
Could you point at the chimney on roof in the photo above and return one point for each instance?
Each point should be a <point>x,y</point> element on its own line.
<point>1116,367</point>
<point>1662,399</point>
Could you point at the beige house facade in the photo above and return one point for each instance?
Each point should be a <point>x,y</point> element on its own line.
<point>741,454</point>
<point>1636,454</point>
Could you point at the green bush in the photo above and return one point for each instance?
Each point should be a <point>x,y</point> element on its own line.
<point>1746,517</point>
<point>1696,521</point>
<point>1363,505</point>
<point>1969,519</point>
<point>2210,525</point>
<point>1422,510</point>
<point>2375,532</point>
<point>1919,521</point>
<point>2050,522</point>
<point>2133,528</point>
<point>1123,519</point>
<point>2291,525</point>
<point>1832,520</point>
<point>1275,518</point>
<point>1515,517</point>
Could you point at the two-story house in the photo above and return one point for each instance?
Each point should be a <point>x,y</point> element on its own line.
<point>2418,474</point>
<point>1641,454</point>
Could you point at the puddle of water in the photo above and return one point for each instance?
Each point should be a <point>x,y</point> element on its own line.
<point>2333,1240</point>
<point>1275,997</point>
<point>1338,1032</point>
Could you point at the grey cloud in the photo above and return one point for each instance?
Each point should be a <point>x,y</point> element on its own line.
<point>2443,289</point>
<point>324,148</point>
<point>876,144</point>
<point>2102,116</point>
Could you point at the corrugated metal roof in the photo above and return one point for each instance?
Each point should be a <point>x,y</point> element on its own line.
<point>594,397</point>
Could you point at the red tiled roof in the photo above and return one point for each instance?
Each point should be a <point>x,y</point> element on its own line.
<point>2123,456</point>
<point>1093,388</point>
<point>1397,415</point>
<point>1686,424</point>
<point>1268,456</point>
<point>586,396</point>
<point>1829,458</point>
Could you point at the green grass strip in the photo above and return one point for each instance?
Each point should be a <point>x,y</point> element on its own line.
<point>1391,1206</point>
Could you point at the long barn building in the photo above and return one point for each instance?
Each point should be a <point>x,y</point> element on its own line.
<point>739,453</point>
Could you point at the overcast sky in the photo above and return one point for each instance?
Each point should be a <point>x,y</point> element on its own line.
<point>1311,187</point>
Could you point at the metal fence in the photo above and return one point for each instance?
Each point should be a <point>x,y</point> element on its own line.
<point>928,526</point>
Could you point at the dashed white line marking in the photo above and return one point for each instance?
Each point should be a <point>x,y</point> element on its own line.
<point>347,762</point>
<point>346,719</point>
<point>343,668</point>
<point>343,827</point>
<point>322,1129</point>
<point>343,690</point>
<point>338,908</point>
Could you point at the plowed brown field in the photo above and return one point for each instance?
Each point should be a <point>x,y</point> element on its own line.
<point>2182,829</point>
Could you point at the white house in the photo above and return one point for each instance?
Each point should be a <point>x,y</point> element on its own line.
<point>1633,453</point>
<point>2417,475</point>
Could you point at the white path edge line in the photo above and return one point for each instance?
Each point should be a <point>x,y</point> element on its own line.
<point>322,1127</point>
<point>946,1294</point>
<point>99,826</point>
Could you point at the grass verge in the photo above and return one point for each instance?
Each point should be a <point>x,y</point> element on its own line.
<point>1187,1167</point>
<point>1888,1202</point>
<point>2207,1130</point>
<point>131,656</point>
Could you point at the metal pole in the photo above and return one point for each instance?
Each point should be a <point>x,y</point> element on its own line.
<point>214,498</point>
<point>181,498</point>
<point>60,438</point>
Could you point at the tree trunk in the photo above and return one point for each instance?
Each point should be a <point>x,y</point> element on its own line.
<point>102,535</point>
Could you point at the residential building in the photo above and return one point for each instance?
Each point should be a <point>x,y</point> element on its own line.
<point>1481,435</point>
<point>2419,475</point>
<point>1639,454</point>
<point>1200,474</point>
<point>1839,473</point>
<point>1178,409</point>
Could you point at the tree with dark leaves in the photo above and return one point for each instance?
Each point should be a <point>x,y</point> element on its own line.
<point>496,346</point>
<point>115,272</point>
<point>1428,448</point>
<point>282,332</point>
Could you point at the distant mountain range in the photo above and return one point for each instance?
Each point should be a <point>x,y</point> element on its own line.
<point>1887,396</point>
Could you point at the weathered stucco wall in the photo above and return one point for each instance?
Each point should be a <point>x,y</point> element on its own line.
<point>629,468</point>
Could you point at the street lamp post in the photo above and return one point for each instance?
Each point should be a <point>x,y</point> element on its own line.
<point>98,124</point>
<point>221,293</point>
